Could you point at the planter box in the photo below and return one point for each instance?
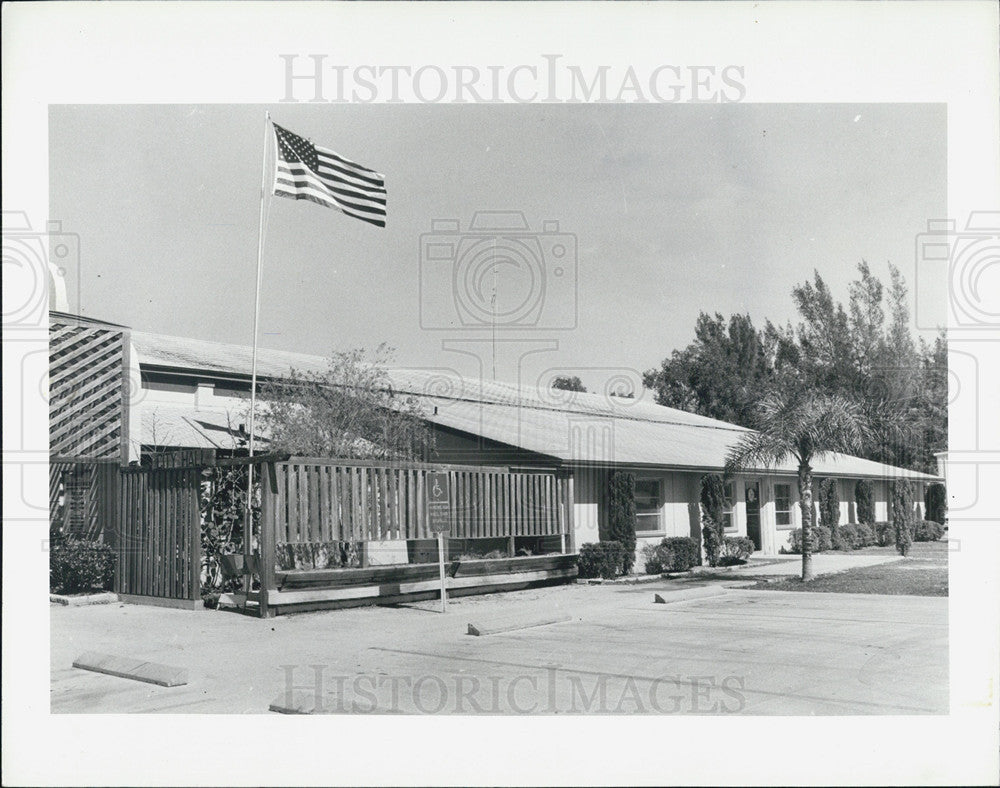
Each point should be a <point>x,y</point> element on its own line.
<point>302,590</point>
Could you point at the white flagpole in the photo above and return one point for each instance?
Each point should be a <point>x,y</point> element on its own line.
<point>248,521</point>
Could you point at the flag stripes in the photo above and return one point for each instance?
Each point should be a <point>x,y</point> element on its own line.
<point>308,172</point>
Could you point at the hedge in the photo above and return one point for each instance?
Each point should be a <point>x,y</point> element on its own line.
<point>820,539</point>
<point>601,559</point>
<point>928,531</point>
<point>736,550</point>
<point>77,565</point>
<point>673,554</point>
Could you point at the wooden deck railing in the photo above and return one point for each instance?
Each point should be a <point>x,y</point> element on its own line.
<point>320,501</point>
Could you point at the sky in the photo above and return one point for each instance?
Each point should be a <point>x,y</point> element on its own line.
<point>638,217</point>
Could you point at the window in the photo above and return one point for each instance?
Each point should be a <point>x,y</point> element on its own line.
<point>783,505</point>
<point>727,512</point>
<point>648,503</point>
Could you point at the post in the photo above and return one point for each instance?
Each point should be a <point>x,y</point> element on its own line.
<point>248,517</point>
<point>444,589</point>
<point>268,517</point>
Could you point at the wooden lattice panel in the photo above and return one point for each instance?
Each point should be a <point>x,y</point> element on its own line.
<point>88,373</point>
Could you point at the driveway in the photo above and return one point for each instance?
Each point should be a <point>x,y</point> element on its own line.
<point>708,649</point>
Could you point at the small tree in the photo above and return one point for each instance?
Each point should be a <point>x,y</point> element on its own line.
<point>568,383</point>
<point>902,514</point>
<point>351,410</point>
<point>829,514</point>
<point>829,508</point>
<point>713,504</point>
<point>935,502</point>
<point>803,425</point>
<point>621,515</point>
<point>864,497</point>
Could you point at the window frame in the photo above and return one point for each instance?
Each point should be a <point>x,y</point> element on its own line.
<point>640,518</point>
<point>729,524</point>
<point>790,511</point>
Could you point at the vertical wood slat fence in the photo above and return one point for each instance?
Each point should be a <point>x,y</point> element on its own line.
<point>326,501</point>
<point>159,538</point>
<point>83,497</point>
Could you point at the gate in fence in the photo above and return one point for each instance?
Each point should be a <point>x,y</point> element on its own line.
<point>159,534</point>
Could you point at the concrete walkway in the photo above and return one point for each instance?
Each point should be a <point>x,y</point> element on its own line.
<point>791,565</point>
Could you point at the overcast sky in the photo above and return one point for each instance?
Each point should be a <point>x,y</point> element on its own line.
<point>672,209</point>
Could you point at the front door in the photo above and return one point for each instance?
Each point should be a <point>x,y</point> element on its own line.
<point>752,491</point>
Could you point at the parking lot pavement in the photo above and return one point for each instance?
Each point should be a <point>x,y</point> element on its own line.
<point>708,649</point>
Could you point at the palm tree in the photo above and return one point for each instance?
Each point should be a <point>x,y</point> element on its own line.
<point>804,425</point>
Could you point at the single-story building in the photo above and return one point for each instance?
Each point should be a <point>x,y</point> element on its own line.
<point>194,394</point>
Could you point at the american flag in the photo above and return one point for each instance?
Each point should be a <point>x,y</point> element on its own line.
<point>308,172</point>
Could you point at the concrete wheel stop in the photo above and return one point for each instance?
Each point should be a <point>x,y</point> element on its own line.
<point>511,624</point>
<point>128,668</point>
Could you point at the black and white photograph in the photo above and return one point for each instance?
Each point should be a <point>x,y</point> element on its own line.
<point>553,409</point>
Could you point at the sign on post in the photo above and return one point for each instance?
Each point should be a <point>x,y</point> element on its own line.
<point>439,520</point>
<point>438,503</point>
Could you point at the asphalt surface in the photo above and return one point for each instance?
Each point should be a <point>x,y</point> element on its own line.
<point>709,649</point>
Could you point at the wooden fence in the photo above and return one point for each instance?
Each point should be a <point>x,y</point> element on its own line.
<point>324,501</point>
<point>159,539</point>
<point>83,497</point>
<point>152,515</point>
<point>310,500</point>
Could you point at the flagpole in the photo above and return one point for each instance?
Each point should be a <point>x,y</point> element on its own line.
<point>248,529</point>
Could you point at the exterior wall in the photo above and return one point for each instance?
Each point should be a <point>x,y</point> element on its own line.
<point>881,489</point>
<point>202,395</point>
<point>589,486</point>
<point>451,446</point>
<point>679,513</point>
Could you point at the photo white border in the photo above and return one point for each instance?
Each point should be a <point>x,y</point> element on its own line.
<point>183,52</point>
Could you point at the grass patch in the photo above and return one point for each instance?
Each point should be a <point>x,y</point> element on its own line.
<point>923,573</point>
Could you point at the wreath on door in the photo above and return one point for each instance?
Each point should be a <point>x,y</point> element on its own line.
<point>751,494</point>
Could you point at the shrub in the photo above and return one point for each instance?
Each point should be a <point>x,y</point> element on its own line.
<point>820,539</point>
<point>846,538</point>
<point>713,504</point>
<point>795,540</point>
<point>680,553</point>
<point>866,535</point>
<point>901,496</point>
<point>601,559</point>
<point>621,515</point>
<point>936,502</point>
<point>928,531</point>
<point>885,534</point>
<point>652,559</point>
<point>736,550</point>
<point>864,498</point>
<point>673,554</point>
<point>77,565</point>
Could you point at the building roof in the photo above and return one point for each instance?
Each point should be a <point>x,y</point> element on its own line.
<point>571,427</point>
<point>193,428</point>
